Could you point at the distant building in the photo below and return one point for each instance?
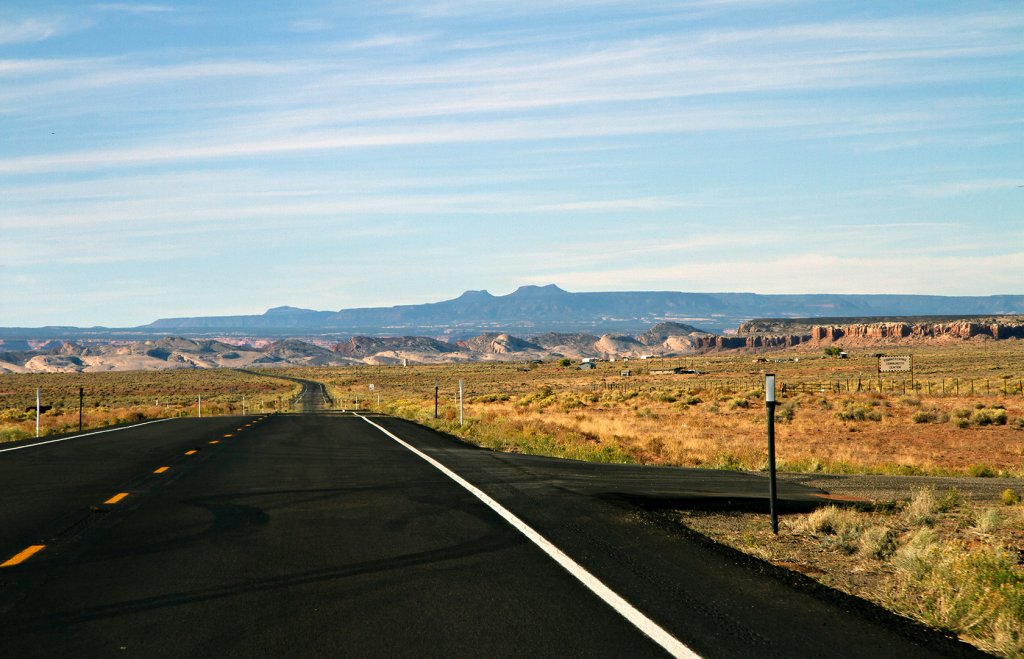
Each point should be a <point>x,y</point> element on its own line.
<point>586,366</point>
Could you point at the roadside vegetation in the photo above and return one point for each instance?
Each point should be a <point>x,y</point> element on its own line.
<point>132,396</point>
<point>831,417</point>
<point>940,558</point>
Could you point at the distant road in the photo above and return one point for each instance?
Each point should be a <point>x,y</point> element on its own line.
<point>321,535</point>
<point>313,396</point>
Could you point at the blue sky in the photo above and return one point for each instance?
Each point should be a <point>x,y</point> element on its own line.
<point>167,159</point>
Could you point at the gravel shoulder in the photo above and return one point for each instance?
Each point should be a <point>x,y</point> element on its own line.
<point>879,488</point>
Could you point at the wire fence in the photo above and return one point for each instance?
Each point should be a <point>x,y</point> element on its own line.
<point>941,387</point>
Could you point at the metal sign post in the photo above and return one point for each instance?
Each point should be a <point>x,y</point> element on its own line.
<point>460,403</point>
<point>437,386</point>
<point>81,399</point>
<point>769,402</point>
<point>37,411</point>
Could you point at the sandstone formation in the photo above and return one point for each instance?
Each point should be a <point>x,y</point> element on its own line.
<point>775,333</point>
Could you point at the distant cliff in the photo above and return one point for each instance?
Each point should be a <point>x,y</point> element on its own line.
<point>866,331</point>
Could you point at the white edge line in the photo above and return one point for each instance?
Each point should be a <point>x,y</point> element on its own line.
<point>97,432</point>
<point>613,599</point>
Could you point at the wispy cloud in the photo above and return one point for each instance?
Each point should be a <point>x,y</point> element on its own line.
<point>32,29</point>
<point>381,41</point>
<point>958,188</point>
<point>309,25</point>
<point>807,273</point>
<point>206,147</point>
<point>133,8</point>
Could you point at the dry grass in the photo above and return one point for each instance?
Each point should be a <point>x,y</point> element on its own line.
<point>952,564</point>
<point>717,419</point>
<point>121,397</point>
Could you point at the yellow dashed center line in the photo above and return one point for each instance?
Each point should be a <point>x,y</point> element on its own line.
<point>161,470</point>
<point>216,441</point>
<point>229,435</point>
<point>22,556</point>
<point>192,452</point>
<point>117,498</point>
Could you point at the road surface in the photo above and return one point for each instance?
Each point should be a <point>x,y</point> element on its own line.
<point>326,535</point>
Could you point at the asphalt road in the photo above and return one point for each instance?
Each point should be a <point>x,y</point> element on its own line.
<point>319,535</point>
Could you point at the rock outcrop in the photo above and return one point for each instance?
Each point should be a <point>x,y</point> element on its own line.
<point>781,333</point>
<point>498,344</point>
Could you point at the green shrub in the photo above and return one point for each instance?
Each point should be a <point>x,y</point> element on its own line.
<point>981,471</point>
<point>989,417</point>
<point>839,527</point>
<point>951,500</point>
<point>855,411</point>
<point>930,415</point>
<point>735,403</point>
<point>491,398</point>
<point>727,461</point>
<point>543,397</point>
<point>786,411</point>
<point>878,542</point>
<point>13,434</point>
<point>987,520</point>
<point>961,588</point>
<point>1009,497</point>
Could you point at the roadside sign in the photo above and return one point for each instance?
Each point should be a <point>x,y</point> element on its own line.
<point>895,364</point>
